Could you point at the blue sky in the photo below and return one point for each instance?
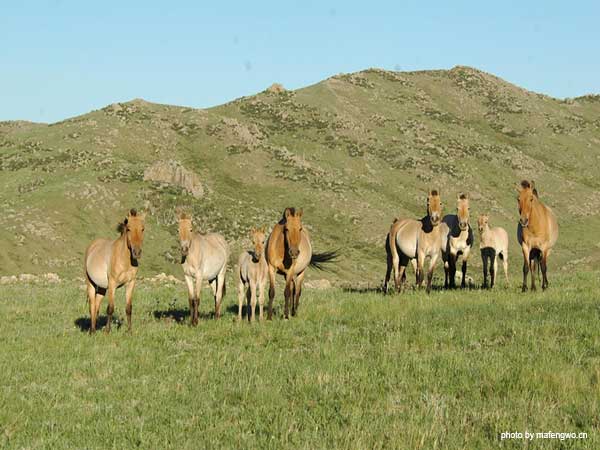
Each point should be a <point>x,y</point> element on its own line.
<point>63,58</point>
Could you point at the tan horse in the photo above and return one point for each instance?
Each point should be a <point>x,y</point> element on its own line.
<point>409,239</point>
<point>457,242</point>
<point>204,257</point>
<point>252,272</point>
<point>289,253</point>
<point>493,244</point>
<point>537,233</point>
<point>110,264</point>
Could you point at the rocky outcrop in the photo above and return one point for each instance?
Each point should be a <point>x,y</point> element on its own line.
<point>172,172</point>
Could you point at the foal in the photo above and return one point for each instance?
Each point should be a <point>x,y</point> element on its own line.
<point>253,271</point>
<point>493,242</point>
<point>457,241</point>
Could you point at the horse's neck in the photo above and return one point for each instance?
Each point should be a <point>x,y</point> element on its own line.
<point>537,216</point>
<point>122,249</point>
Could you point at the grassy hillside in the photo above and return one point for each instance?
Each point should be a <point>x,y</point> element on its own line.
<point>453,371</point>
<point>354,150</point>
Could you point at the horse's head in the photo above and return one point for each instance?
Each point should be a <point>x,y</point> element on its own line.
<point>258,240</point>
<point>462,211</point>
<point>133,228</point>
<point>483,222</point>
<point>292,229</point>
<point>185,233</point>
<point>434,206</point>
<point>527,193</point>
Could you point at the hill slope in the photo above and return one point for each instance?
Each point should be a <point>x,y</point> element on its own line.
<point>354,150</point>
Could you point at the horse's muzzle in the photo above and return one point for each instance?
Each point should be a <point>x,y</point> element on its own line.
<point>524,222</point>
<point>294,253</point>
<point>136,253</point>
<point>463,226</point>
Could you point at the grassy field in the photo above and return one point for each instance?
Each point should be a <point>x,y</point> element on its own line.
<point>355,370</point>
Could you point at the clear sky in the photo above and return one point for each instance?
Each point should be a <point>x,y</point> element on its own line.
<point>62,58</point>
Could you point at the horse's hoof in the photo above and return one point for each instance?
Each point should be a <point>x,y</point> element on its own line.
<point>524,289</point>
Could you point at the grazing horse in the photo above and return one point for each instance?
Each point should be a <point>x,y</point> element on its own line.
<point>493,244</point>
<point>458,241</point>
<point>537,232</point>
<point>409,239</point>
<point>110,264</point>
<point>204,256</point>
<point>252,272</point>
<point>289,253</point>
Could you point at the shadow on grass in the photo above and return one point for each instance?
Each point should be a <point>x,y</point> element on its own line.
<point>85,323</point>
<point>180,315</point>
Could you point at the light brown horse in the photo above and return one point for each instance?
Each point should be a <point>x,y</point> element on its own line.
<point>537,232</point>
<point>289,253</point>
<point>204,257</point>
<point>493,244</point>
<point>252,275</point>
<point>110,264</point>
<point>409,239</point>
<point>457,242</point>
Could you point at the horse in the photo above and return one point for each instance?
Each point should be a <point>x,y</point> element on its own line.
<point>493,242</point>
<point>537,232</point>
<point>203,256</point>
<point>110,264</point>
<point>458,241</point>
<point>252,275</point>
<point>289,252</point>
<point>411,239</point>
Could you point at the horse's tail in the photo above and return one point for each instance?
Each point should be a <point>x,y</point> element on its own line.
<point>318,259</point>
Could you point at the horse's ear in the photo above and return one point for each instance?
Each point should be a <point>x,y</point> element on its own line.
<point>287,212</point>
<point>532,184</point>
<point>142,215</point>
<point>299,213</point>
<point>263,229</point>
<point>518,187</point>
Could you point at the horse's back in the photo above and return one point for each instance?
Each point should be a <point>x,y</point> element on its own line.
<point>244,262</point>
<point>97,261</point>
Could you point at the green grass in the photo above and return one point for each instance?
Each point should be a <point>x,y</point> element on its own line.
<point>355,370</point>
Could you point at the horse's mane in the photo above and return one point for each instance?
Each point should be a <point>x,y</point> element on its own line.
<point>292,211</point>
<point>122,226</point>
<point>434,192</point>
<point>527,185</point>
<point>462,197</point>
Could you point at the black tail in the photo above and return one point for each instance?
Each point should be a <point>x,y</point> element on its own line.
<point>318,259</point>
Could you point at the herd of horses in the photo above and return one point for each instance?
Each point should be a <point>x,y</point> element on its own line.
<point>287,250</point>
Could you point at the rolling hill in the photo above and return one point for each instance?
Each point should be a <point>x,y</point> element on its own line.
<point>355,151</point>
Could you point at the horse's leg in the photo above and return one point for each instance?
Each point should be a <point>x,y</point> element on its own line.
<point>453,258</point>
<point>197,293</point>
<point>111,303</point>
<point>413,263</point>
<point>288,293</point>
<point>420,261</point>
<point>446,273</point>
<point>252,305</point>
<point>91,294</point>
<point>220,284</point>
<point>544,267</point>
<point>525,266</point>
<point>505,265</point>
<point>241,295</point>
<point>261,298</point>
<point>298,290</point>
<point>402,274</point>
<point>493,268</point>
<point>532,268</point>
<point>484,260</point>
<point>432,262</point>
<point>128,298</point>
<point>189,281</point>
<point>397,267</point>
<point>390,264</point>
<point>465,257</point>
<point>271,291</point>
